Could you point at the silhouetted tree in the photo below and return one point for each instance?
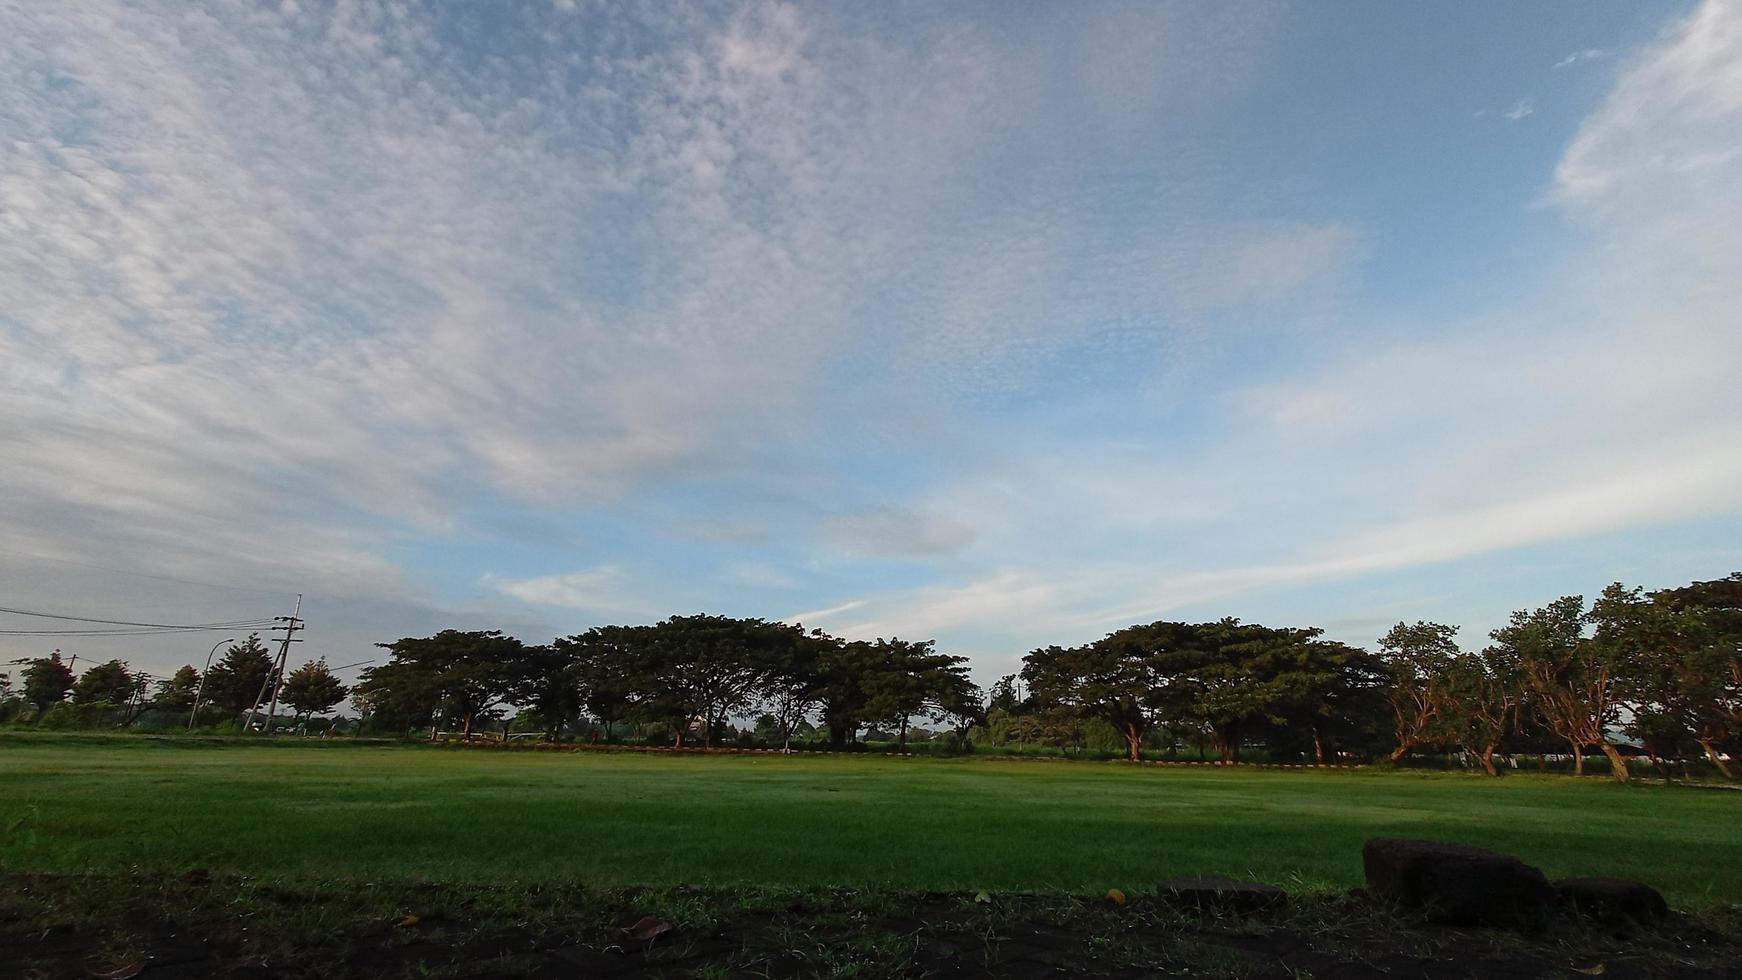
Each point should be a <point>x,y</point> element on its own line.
<point>311,690</point>
<point>234,682</point>
<point>106,683</point>
<point>47,681</point>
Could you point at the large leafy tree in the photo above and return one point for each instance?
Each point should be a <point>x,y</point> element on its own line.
<point>177,692</point>
<point>47,681</point>
<point>792,684</point>
<point>1708,663</point>
<point>608,664</point>
<point>106,683</point>
<point>1483,694</point>
<point>844,694</point>
<point>909,678</point>
<point>1311,687</point>
<point>234,683</point>
<point>459,675</point>
<point>398,697</point>
<point>312,689</point>
<point>1649,646</point>
<point>1571,678</point>
<point>1115,679</point>
<point>1419,658</point>
<point>551,685</point>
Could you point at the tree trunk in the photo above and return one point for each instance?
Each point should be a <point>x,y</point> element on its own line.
<point>468,730</point>
<point>1318,748</point>
<point>1133,743</point>
<point>1578,759</point>
<point>1712,754</point>
<point>1401,751</point>
<point>1221,742</point>
<point>1657,762</point>
<point>901,739</point>
<point>1617,763</point>
<point>677,735</point>
<point>1487,758</point>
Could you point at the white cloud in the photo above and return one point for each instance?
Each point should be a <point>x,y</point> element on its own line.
<point>926,612</point>
<point>1520,109</point>
<point>814,616</point>
<point>604,589</point>
<point>1588,54</point>
<point>1674,116</point>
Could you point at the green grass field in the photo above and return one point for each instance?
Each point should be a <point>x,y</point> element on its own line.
<point>915,824</point>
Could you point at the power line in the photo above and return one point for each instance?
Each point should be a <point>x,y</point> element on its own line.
<point>137,632</point>
<point>233,624</point>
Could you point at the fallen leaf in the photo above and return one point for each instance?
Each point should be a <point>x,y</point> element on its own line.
<point>410,920</point>
<point>982,898</point>
<point>1595,970</point>
<point>1116,896</point>
<point>647,928</point>
<point>130,968</point>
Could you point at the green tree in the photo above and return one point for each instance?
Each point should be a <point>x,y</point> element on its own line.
<point>1003,695</point>
<point>1311,686</point>
<point>1116,679</point>
<point>311,690</point>
<point>793,684</point>
<point>397,697</point>
<point>106,683</point>
<point>234,683</point>
<point>177,692</point>
<point>844,696</point>
<point>1418,658</point>
<point>459,675</point>
<point>47,681</point>
<point>1483,696</point>
<point>550,684</point>
<point>908,678</point>
<point>605,660</point>
<point>1709,668</point>
<point>1571,678</point>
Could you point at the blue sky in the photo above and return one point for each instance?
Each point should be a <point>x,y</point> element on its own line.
<point>1001,324</point>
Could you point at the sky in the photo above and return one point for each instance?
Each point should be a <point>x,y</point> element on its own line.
<point>1000,324</point>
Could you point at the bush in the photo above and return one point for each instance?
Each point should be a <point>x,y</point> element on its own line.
<point>68,717</point>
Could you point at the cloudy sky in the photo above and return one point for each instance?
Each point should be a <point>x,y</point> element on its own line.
<point>1000,324</point>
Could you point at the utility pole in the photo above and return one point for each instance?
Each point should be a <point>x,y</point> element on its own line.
<point>292,623</point>
<point>290,627</point>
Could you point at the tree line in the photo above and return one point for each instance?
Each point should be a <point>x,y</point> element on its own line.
<point>52,695</point>
<point>1662,670</point>
<point>1658,670</point>
<point>687,675</point>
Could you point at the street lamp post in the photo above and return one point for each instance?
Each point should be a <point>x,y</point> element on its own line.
<point>201,686</point>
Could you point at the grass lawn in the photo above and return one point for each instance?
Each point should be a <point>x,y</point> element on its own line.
<point>613,819</point>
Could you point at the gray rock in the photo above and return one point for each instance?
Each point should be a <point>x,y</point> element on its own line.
<point>1612,900</point>
<point>1226,894</point>
<point>1456,884</point>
